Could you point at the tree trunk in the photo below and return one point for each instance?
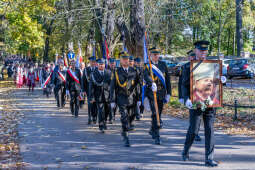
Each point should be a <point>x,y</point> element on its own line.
<point>229,34</point>
<point>239,23</point>
<point>135,36</point>
<point>47,41</point>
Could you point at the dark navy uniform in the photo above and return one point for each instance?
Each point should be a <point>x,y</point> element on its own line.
<point>133,112</point>
<point>195,118</point>
<point>74,89</point>
<point>162,92</point>
<point>58,79</point>
<point>99,93</point>
<point>123,87</point>
<point>92,112</point>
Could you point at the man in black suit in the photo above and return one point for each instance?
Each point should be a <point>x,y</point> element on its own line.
<point>99,92</point>
<point>73,87</point>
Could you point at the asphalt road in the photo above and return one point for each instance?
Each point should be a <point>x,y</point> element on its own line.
<point>241,83</point>
<point>53,139</point>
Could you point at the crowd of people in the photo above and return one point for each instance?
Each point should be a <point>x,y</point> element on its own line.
<point>130,88</point>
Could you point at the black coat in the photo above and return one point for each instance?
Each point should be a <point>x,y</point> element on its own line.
<point>99,86</point>
<point>86,79</point>
<point>161,90</point>
<point>184,82</point>
<point>71,84</point>
<point>123,86</point>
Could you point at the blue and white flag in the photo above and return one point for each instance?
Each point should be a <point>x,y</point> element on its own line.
<point>145,53</point>
<point>159,74</point>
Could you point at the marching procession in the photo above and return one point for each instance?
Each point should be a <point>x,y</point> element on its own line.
<point>130,89</point>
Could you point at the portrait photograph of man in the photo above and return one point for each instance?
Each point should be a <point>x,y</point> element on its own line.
<point>206,86</point>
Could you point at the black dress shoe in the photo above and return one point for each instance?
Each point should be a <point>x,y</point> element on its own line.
<point>131,127</point>
<point>185,157</point>
<point>157,141</point>
<point>211,163</point>
<point>125,139</point>
<point>198,138</point>
<point>126,142</point>
<point>101,130</point>
<point>110,122</point>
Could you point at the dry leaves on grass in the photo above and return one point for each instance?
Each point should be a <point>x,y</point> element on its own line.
<point>244,125</point>
<point>9,148</point>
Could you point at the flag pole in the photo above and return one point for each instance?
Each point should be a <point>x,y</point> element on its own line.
<point>154,93</point>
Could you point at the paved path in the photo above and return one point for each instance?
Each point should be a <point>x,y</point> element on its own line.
<point>53,139</point>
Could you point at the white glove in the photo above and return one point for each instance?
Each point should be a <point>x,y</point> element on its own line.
<point>188,104</point>
<point>223,79</point>
<point>112,105</point>
<point>181,101</point>
<point>154,87</point>
<point>167,98</point>
<point>67,93</point>
<point>139,103</point>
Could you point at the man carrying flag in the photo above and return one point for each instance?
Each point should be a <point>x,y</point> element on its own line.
<point>73,87</point>
<point>160,84</point>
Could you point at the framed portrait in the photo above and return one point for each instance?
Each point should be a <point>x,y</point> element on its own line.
<point>205,83</point>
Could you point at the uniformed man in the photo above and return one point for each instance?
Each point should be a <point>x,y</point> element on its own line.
<point>99,93</point>
<point>73,87</point>
<point>82,67</point>
<point>191,56</point>
<point>123,83</point>
<point>85,83</point>
<point>112,67</point>
<point>132,111</point>
<point>59,80</point>
<point>162,86</point>
<point>139,68</point>
<point>201,50</point>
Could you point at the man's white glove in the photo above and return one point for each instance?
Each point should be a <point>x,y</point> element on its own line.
<point>181,101</point>
<point>223,79</point>
<point>67,93</point>
<point>167,98</point>
<point>189,104</point>
<point>139,103</point>
<point>154,87</point>
<point>112,105</point>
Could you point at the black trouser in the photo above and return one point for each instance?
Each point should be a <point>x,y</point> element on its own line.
<point>123,109</point>
<point>103,112</point>
<point>89,109</point>
<point>131,113</point>
<point>108,111</point>
<point>154,125</point>
<point>195,119</point>
<point>74,102</point>
<point>93,111</point>
<point>60,93</point>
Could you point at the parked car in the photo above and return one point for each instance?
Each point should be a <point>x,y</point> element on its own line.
<point>176,70</point>
<point>240,68</point>
<point>225,64</point>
